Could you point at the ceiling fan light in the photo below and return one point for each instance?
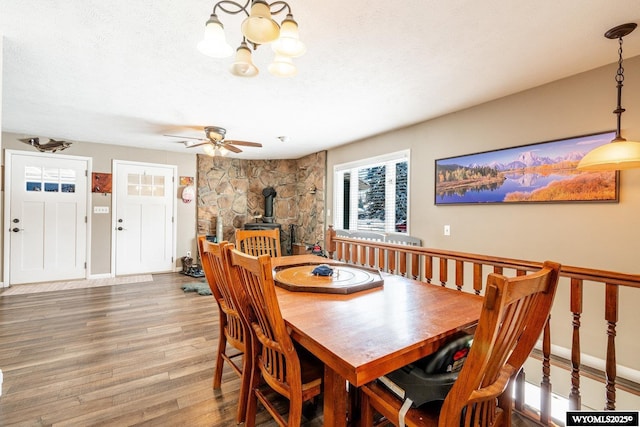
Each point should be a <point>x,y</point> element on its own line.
<point>209,150</point>
<point>259,27</point>
<point>617,155</point>
<point>282,66</point>
<point>243,65</point>
<point>215,133</point>
<point>289,44</point>
<point>214,43</point>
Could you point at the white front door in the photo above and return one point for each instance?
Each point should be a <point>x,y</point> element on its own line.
<point>143,226</point>
<point>46,218</point>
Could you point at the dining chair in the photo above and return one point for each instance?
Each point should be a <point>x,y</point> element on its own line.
<point>233,330</point>
<point>259,242</point>
<point>279,365</point>
<point>514,312</point>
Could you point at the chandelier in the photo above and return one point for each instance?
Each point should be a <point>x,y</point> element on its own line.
<point>619,153</point>
<point>258,28</point>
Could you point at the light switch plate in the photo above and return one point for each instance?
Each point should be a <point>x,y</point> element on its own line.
<point>101,209</point>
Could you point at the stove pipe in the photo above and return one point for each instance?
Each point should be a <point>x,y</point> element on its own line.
<point>269,193</point>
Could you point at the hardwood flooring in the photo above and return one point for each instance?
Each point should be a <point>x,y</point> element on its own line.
<point>132,354</point>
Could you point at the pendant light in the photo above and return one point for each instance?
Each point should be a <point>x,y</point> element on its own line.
<point>259,28</point>
<point>619,153</point>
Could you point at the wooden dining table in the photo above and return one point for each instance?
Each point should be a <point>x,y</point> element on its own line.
<point>364,335</point>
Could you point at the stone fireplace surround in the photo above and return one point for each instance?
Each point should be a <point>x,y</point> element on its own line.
<point>231,189</point>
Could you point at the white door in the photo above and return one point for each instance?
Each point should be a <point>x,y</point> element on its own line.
<point>143,226</point>
<point>46,222</point>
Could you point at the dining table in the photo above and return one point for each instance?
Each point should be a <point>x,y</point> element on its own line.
<point>363,335</point>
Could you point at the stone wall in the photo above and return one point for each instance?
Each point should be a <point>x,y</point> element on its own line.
<point>231,190</point>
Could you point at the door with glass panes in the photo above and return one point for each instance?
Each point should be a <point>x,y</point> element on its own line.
<point>47,217</point>
<point>143,226</point>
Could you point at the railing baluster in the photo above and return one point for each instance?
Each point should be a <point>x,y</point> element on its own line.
<point>428,268</point>
<point>371,257</point>
<point>402,269</point>
<point>575,400</point>
<point>477,278</point>
<point>415,266</point>
<point>459,274</point>
<point>611,316</point>
<point>545,385</point>
<point>362,255</point>
<point>391,258</point>
<point>444,271</point>
<point>382,264</point>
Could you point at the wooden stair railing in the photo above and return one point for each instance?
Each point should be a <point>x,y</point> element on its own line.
<point>420,263</point>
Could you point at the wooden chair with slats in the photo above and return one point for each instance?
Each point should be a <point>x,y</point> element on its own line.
<point>259,242</point>
<point>233,330</point>
<point>514,313</point>
<point>279,364</point>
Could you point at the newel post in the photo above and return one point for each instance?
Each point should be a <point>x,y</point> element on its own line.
<point>330,244</point>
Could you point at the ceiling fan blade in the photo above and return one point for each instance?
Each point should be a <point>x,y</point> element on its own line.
<point>230,147</point>
<point>243,143</point>
<point>190,144</point>
<point>183,137</point>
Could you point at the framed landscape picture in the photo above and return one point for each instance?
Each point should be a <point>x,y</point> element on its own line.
<point>537,173</point>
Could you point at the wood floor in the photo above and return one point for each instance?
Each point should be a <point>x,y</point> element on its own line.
<point>132,354</point>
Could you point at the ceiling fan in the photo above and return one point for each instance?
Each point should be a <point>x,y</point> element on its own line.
<point>215,138</point>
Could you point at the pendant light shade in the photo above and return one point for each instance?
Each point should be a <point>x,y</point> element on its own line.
<point>289,44</point>
<point>618,154</point>
<point>282,66</point>
<point>214,43</point>
<point>243,65</point>
<point>259,27</point>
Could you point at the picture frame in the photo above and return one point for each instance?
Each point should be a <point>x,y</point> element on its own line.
<point>543,172</point>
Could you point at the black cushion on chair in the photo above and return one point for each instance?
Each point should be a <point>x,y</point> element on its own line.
<point>430,378</point>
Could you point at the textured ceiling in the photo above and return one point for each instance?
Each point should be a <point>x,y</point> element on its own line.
<point>127,72</point>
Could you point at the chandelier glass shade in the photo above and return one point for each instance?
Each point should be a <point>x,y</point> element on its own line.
<point>257,28</point>
<point>243,65</point>
<point>214,43</point>
<point>619,153</point>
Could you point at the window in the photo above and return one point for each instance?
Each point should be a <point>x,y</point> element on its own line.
<point>145,185</point>
<point>52,180</point>
<point>373,194</point>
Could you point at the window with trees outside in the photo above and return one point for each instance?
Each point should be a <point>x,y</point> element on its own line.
<point>373,194</point>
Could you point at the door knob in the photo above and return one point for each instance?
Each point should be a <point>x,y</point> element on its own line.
<point>16,229</point>
<point>121,228</point>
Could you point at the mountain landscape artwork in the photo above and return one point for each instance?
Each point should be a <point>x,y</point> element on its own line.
<point>544,172</point>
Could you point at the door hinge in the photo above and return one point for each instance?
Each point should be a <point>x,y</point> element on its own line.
<point>172,260</point>
<point>85,219</point>
<point>85,265</point>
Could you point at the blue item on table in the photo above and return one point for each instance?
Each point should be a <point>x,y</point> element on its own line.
<point>322,270</point>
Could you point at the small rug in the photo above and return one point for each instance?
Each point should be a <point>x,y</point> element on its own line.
<point>202,288</point>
